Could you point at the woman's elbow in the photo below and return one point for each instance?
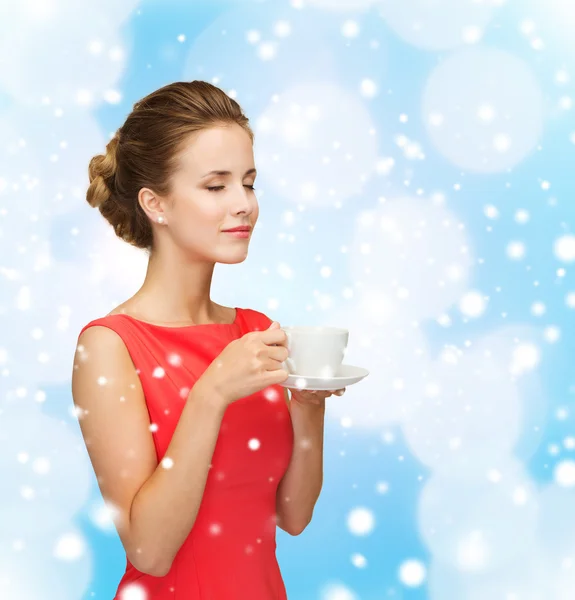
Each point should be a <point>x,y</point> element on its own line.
<point>155,568</point>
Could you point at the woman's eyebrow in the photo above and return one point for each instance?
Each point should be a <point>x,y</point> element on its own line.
<point>224,173</point>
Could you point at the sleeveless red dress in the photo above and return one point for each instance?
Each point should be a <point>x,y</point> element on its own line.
<point>230,551</point>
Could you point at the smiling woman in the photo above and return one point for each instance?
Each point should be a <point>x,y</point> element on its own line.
<point>153,148</point>
<point>177,395</point>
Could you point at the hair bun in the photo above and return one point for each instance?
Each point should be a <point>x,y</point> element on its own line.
<point>101,172</point>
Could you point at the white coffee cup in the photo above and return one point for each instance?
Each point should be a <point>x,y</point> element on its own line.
<point>315,350</point>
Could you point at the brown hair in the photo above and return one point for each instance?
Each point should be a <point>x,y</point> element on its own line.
<point>142,152</point>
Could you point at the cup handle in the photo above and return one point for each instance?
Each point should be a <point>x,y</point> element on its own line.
<point>288,361</point>
<point>290,365</point>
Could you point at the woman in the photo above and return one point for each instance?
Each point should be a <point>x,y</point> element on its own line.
<point>196,447</point>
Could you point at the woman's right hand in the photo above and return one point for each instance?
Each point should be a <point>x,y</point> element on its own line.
<point>248,365</point>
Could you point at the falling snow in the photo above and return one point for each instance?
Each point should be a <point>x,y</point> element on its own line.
<point>438,185</point>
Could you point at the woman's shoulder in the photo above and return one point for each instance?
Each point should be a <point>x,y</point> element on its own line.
<point>257,319</point>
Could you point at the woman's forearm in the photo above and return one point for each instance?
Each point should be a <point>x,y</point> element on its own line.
<point>165,508</point>
<point>301,485</point>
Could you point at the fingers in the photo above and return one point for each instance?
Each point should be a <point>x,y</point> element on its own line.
<point>272,336</point>
<point>279,353</point>
<point>328,393</point>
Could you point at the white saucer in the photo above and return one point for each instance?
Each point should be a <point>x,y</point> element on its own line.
<point>345,375</point>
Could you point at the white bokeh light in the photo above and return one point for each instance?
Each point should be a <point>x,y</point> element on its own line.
<point>49,13</point>
<point>53,496</point>
<point>556,528</point>
<point>134,591</point>
<point>259,79</point>
<point>359,561</point>
<point>469,416</point>
<point>472,304</point>
<point>361,521</point>
<point>476,525</point>
<point>51,148</point>
<point>564,473</point>
<point>425,24</point>
<point>526,577</point>
<point>412,573</point>
<point>70,546</point>
<point>312,150</point>
<point>61,567</point>
<point>460,86</point>
<point>564,248</point>
<point>415,252</point>
<point>337,591</point>
<point>87,55</point>
<point>43,316</point>
<point>524,358</point>
<point>516,250</point>
<point>115,267</point>
<point>23,230</point>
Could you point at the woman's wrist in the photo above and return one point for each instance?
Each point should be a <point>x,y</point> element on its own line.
<point>209,397</point>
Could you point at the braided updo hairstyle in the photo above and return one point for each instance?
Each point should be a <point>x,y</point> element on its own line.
<point>143,152</point>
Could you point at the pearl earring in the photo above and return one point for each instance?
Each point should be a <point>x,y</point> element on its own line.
<point>160,219</point>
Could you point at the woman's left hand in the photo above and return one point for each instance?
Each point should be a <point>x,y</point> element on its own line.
<point>316,397</point>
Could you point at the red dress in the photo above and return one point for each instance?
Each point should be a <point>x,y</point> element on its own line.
<point>230,552</point>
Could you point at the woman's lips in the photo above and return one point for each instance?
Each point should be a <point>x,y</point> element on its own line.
<point>239,234</point>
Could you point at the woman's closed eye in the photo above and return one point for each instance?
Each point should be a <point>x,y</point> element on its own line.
<point>221,187</point>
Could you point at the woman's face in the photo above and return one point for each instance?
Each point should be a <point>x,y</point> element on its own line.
<point>203,203</point>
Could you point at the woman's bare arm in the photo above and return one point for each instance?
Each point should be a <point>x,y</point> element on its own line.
<point>154,507</point>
